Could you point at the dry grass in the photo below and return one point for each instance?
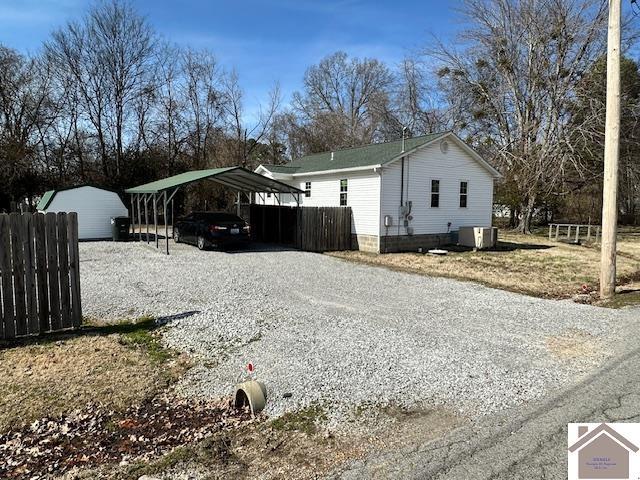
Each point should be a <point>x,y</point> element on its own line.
<point>123,365</point>
<point>527,264</point>
<point>50,378</point>
<point>267,451</point>
<point>574,345</point>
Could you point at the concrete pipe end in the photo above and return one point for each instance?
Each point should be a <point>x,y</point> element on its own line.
<point>252,394</point>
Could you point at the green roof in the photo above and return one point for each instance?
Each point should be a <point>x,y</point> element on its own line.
<point>46,199</point>
<point>368,155</point>
<point>176,180</point>
<point>281,168</point>
<point>234,177</point>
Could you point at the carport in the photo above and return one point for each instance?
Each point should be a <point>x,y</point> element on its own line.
<point>241,180</point>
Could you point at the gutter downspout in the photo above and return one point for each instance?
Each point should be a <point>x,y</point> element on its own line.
<point>380,217</point>
<point>404,129</point>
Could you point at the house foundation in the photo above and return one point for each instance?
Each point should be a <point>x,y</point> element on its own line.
<point>365,243</point>
<point>411,243</point>
<point>401,243</point>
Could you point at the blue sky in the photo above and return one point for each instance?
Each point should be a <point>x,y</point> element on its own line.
<point>265,41</point>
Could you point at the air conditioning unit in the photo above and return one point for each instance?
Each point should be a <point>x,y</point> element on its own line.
<point>478,237</point>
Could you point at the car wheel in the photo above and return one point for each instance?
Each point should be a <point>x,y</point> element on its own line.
<point>176,235</point>
<point>202,243</point>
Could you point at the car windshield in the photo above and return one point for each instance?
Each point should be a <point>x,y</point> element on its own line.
<point>213,217</point>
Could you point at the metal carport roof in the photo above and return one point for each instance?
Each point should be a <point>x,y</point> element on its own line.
<point>238,178</point>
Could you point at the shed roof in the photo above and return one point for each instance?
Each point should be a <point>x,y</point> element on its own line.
<point>46,199</point>
<point>237,178</point>
<point>49,195</point>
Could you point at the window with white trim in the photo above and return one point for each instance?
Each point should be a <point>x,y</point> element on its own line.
<point>464,194</point>
<point>435,193</point>
<point>343,192</point>
<point>307,189</point>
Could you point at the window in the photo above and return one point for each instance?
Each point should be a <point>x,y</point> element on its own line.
<point>435,193</point>
<point>464,193</point>
<point>343,192</point>
<point>307,189</point>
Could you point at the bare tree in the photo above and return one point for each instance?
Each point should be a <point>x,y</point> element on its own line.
<point>415,102</point>
<point>109,102</point>
<point>511,81</point>
<point>25,108</point>
<point>587,127</point>
<point>247,138</point>
<point>170,126</point>
<point>203,100</point>
<point>343,103</point>
<point>110,57</point>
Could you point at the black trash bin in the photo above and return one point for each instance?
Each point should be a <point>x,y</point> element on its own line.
<point>120,229</point>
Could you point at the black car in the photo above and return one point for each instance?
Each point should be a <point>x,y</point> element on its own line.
<point>211,229</point>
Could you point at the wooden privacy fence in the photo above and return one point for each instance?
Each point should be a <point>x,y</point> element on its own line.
<point>314,229</point>
<point>324,229</point>
<point>39,274</point>
<point>273,224</point>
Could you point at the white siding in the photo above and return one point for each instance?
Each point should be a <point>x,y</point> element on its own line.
<point>263,199</point>
<point>450,168</point>
<point>94,207</point>
<point>363,197</point>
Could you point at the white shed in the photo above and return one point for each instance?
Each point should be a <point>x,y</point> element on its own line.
<point>94,206</point>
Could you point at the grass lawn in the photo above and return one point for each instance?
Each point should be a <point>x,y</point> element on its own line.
<point>99,404</point>
<point>529,264</point>
<point>116,365</point>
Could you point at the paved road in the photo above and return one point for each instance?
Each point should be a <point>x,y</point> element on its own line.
<point>523,444</point>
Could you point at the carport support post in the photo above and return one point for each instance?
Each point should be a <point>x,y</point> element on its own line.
<point>155,217</point>
<point>238,204</point>
<point>146,216</point>
<point>133,218</point>
<point>166,222</point>
<point>139,218</point>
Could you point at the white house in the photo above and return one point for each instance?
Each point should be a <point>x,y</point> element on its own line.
<point>403,194</point>
<point>94,206</point>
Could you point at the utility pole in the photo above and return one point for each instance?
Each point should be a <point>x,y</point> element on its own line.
<point>611,152</point>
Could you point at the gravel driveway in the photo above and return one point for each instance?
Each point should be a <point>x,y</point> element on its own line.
<point>343,335</point>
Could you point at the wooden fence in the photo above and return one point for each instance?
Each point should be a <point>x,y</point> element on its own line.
<point>314,229</point>
<point>39,274</point>
<point>273,224</point>
<point>324,229</point>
